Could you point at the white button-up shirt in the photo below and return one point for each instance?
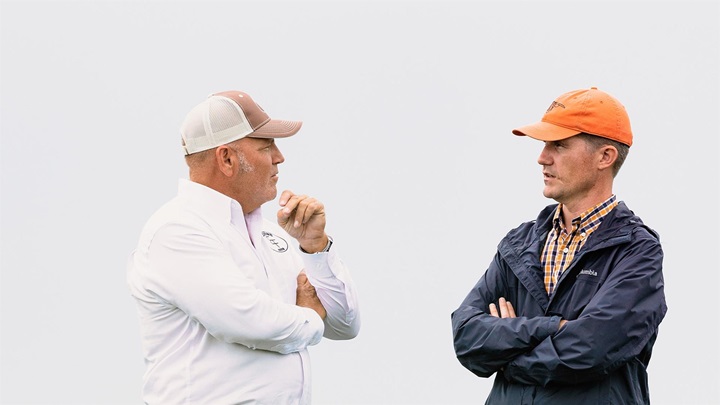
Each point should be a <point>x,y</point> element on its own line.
<point>215,292</point>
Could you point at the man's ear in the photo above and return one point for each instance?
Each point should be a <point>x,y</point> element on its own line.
<point>226,160</point>
<point>608,156</point>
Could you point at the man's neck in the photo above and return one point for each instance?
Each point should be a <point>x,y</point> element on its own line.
<point>573,210</point>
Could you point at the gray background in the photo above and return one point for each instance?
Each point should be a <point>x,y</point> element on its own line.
<point>407,110</point>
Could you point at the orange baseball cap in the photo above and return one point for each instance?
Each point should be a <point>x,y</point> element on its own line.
<point>591,111</point>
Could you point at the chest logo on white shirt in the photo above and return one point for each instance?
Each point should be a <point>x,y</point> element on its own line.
<point>277,243</point>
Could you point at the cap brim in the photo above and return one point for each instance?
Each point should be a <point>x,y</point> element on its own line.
<point>277,129</point>
<point>545,131</point>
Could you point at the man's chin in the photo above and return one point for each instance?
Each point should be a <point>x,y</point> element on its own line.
<point>549,194</point>
<point>272,195</point>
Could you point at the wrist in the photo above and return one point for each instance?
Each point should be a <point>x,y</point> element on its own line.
<point>321,246</point>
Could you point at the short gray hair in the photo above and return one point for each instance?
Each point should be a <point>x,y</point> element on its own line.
<point>198,160</point>
<point>597,142</point>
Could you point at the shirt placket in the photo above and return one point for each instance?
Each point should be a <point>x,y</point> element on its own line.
<point>562,240</point>
<point>565,241</point>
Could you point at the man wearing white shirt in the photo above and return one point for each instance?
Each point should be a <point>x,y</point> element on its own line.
<point>227,304</point>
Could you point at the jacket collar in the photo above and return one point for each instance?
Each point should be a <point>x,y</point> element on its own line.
<point>522,246</point>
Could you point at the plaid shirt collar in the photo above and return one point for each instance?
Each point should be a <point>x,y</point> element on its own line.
<point>588,220</point>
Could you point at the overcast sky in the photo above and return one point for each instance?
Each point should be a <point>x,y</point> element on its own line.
<point>408,109</point>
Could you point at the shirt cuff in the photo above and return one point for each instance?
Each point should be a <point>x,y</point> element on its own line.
<point>315,323</point>
<point>318,265</point>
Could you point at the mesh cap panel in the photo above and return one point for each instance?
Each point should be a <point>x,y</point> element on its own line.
<point>216,121</point>
<point>224,114</point>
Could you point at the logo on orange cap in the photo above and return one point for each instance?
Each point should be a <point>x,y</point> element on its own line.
<point>553,105</point>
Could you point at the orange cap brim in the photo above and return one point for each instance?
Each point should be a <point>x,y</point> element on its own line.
<point>544,131</point>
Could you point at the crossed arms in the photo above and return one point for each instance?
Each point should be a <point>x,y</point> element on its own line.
<point>531,345</point>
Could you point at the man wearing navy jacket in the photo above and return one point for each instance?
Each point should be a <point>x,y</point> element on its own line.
<point>569,308</point>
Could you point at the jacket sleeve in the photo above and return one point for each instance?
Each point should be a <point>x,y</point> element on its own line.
<point>337,292</point>
<point>484,343</point>
<point>613,328</point>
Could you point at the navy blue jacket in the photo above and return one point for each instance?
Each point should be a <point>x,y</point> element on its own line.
<point>611,294</point>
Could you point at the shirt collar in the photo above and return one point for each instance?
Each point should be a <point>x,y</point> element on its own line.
<point>214,204</point>
<point>587,218</point>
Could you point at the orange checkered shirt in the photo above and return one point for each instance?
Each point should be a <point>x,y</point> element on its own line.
<point>561,246</point>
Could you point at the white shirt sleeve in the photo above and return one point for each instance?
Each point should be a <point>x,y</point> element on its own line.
<point>337,292</point>
<point>193,271</point>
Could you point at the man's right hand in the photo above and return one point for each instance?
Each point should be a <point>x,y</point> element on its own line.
<point>506,309</point>
<point>307,296</point>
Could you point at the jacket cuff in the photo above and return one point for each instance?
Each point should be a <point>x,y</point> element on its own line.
<point>553,324</point>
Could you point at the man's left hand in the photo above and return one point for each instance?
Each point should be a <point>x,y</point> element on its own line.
<point>303,218</point>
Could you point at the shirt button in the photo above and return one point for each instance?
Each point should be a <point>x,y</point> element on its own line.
<point>566,250</point>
